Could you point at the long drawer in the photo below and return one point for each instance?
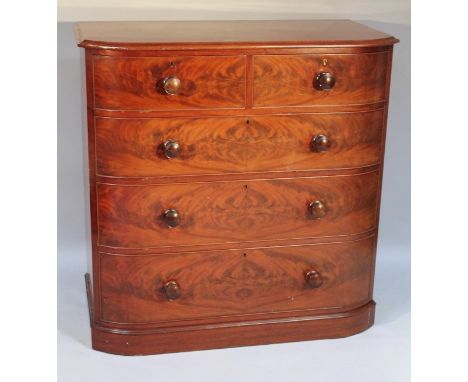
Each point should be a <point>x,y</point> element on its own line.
<point>197,146</point>
<point>235,211</point>
<point>145,288</point>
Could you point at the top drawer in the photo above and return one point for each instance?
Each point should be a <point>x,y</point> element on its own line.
<point>169,83</point>
<point>286,80</point>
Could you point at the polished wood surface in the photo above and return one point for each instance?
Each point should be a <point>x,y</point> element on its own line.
<point>137,83</point>
<point>133,216</point>
<point>153,34</point>
<point>202,337</point>
<point>135,147</point>
<point>288,80</point>
<point>235,180</point>
<point>234,282</point>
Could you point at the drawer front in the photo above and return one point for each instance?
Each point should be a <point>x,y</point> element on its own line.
<point>143,289</point>
<point>136,147</point>
<point>235,211</point>
<point>138,83</point>
<point>291,80</point>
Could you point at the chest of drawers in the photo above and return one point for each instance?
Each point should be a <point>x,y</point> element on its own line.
<point>235,176</point>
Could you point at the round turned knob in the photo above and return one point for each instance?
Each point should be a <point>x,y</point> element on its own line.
<point>172,218</point>
<point>172,290</point>
<point>171,85</point>
<point>171,149</point>
<point>320,143</point>
<point>324,81</point>
<point>317,210</point>
<point>313,278</point>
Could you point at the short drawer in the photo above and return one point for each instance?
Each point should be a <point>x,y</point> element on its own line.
<point>158,288</point>
<point>162,215</point>
<point>198,146</point>
<point>169,83</point>
<point>319,80</point>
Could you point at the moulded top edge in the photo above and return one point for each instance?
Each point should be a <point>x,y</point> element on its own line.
<point>170,35</point>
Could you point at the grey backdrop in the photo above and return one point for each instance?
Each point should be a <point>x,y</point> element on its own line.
<point>379,354</point>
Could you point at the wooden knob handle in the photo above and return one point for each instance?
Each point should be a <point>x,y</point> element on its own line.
<point>317,210</point>
<point>172,218</point>
<point>171,85</point>
<point>171,148</point>
<point>324,81</point>
<point>172,290</point>
<point>313,278</point>
<point>320,143</point>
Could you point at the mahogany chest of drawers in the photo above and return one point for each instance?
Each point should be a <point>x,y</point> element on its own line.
<point>235,175</point>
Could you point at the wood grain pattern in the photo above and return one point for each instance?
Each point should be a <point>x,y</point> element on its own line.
<point>89,135</point>
<point>288,80</point>
<point>132,147</point>
<point>234,282</point>
<point>133,83</point>
<point>221,212</point>
<point>237,264</point>
<point>379,190</point>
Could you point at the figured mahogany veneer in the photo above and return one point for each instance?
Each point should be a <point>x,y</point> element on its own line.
<point>134,147</point>
<point>235,179</point>
<point>136,83</point>
<point>218,212</point>
<point>285,80</point>
<point>235,282</point>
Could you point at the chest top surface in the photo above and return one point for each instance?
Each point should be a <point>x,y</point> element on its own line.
<point>131,34</point>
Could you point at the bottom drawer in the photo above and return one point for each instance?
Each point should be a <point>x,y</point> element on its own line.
<point>157,288</point>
